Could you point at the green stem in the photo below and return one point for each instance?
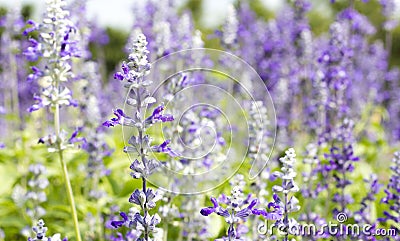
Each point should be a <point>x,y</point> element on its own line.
<point>180,237</point>
<point>70,197</point>
<point>70,194</point>
<point>286,218</point>
<point>143,159</point>
<point>165,238</point>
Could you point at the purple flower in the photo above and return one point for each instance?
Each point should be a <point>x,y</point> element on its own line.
<point>33,52</point>
<point>124,74</point>
<point>37,73</point>
<point>139,170</point>
<point>38,105</point>
<point>40,233</point>
<point>70,47</point>
<point>117,224</point>
<point>74,137</point>
<point>237,209</point>
<point>276,210</point>
<point>120,119</point>
<point>209,210</point>
<point>164,148</point>
<point>242,214</point>
<point>133,74</point>
<point>157,116</point>
<point>34,26</point>
<point>149,198</point>
<point>392,191</point>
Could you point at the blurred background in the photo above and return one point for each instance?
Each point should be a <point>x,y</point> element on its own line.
<point>116,18</point>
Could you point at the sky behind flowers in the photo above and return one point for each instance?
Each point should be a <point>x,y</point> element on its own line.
<point>105,11</point>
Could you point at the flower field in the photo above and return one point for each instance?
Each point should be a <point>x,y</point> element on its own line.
<point>274,125</point>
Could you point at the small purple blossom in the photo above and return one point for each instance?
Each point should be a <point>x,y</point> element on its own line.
<point>164,148</point>
<point>158,116</point>
<point>237,208</point>
<point>33,52</point>
<point>392,191</point>
<point>40,233</point>
<point>33,27</point>
<point>120,119</point>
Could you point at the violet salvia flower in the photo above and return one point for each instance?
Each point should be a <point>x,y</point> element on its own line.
<point>392,198</point>
<point>388,11</point>
<point>127,221</point>
<point>194,225</point>
<point>238,208</point>
<point>393,124</point>
<point>335,62</point>
<point>55,48</point>
<point>280,63</point>
<point>310,177</point>
<point>363,215</point>
<point>40,233</point>
<point>315,181</point>
<point>155,19</point>
<point>229,30</point>
<point>36,195</point>
<point>341,162</point>
<point>133,75</point>
<point>259,137</point>
<point>31,197</point>
<point>97,149</point>
<point>94,142</point>
<point>282,209</point>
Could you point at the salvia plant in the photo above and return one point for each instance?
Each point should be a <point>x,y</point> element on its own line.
<point>392,192</point>
<point>133,77</point>
<point>284,202</point>
<point>40,231</point>
<point>54,48</point>
<point>235,209</point>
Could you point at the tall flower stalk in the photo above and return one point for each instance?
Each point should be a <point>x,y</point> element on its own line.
<point>279,210</point>
<point>54,48</point>
<point>290,202</point>
<point>133,76</point>
<point>392,198</point>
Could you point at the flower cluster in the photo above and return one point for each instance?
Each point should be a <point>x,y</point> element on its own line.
<point>55,47</point>
<point>133,77</point>
<point>31,197</point>
<point>40,231</point>
<point>237,210</point>
<point>392,198</point>
<point>388,8</point>
<point>259,147</point>
<point>363,215</point>
<point>341,162</point>
<point>37,184</point>
<point>280,210</point>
